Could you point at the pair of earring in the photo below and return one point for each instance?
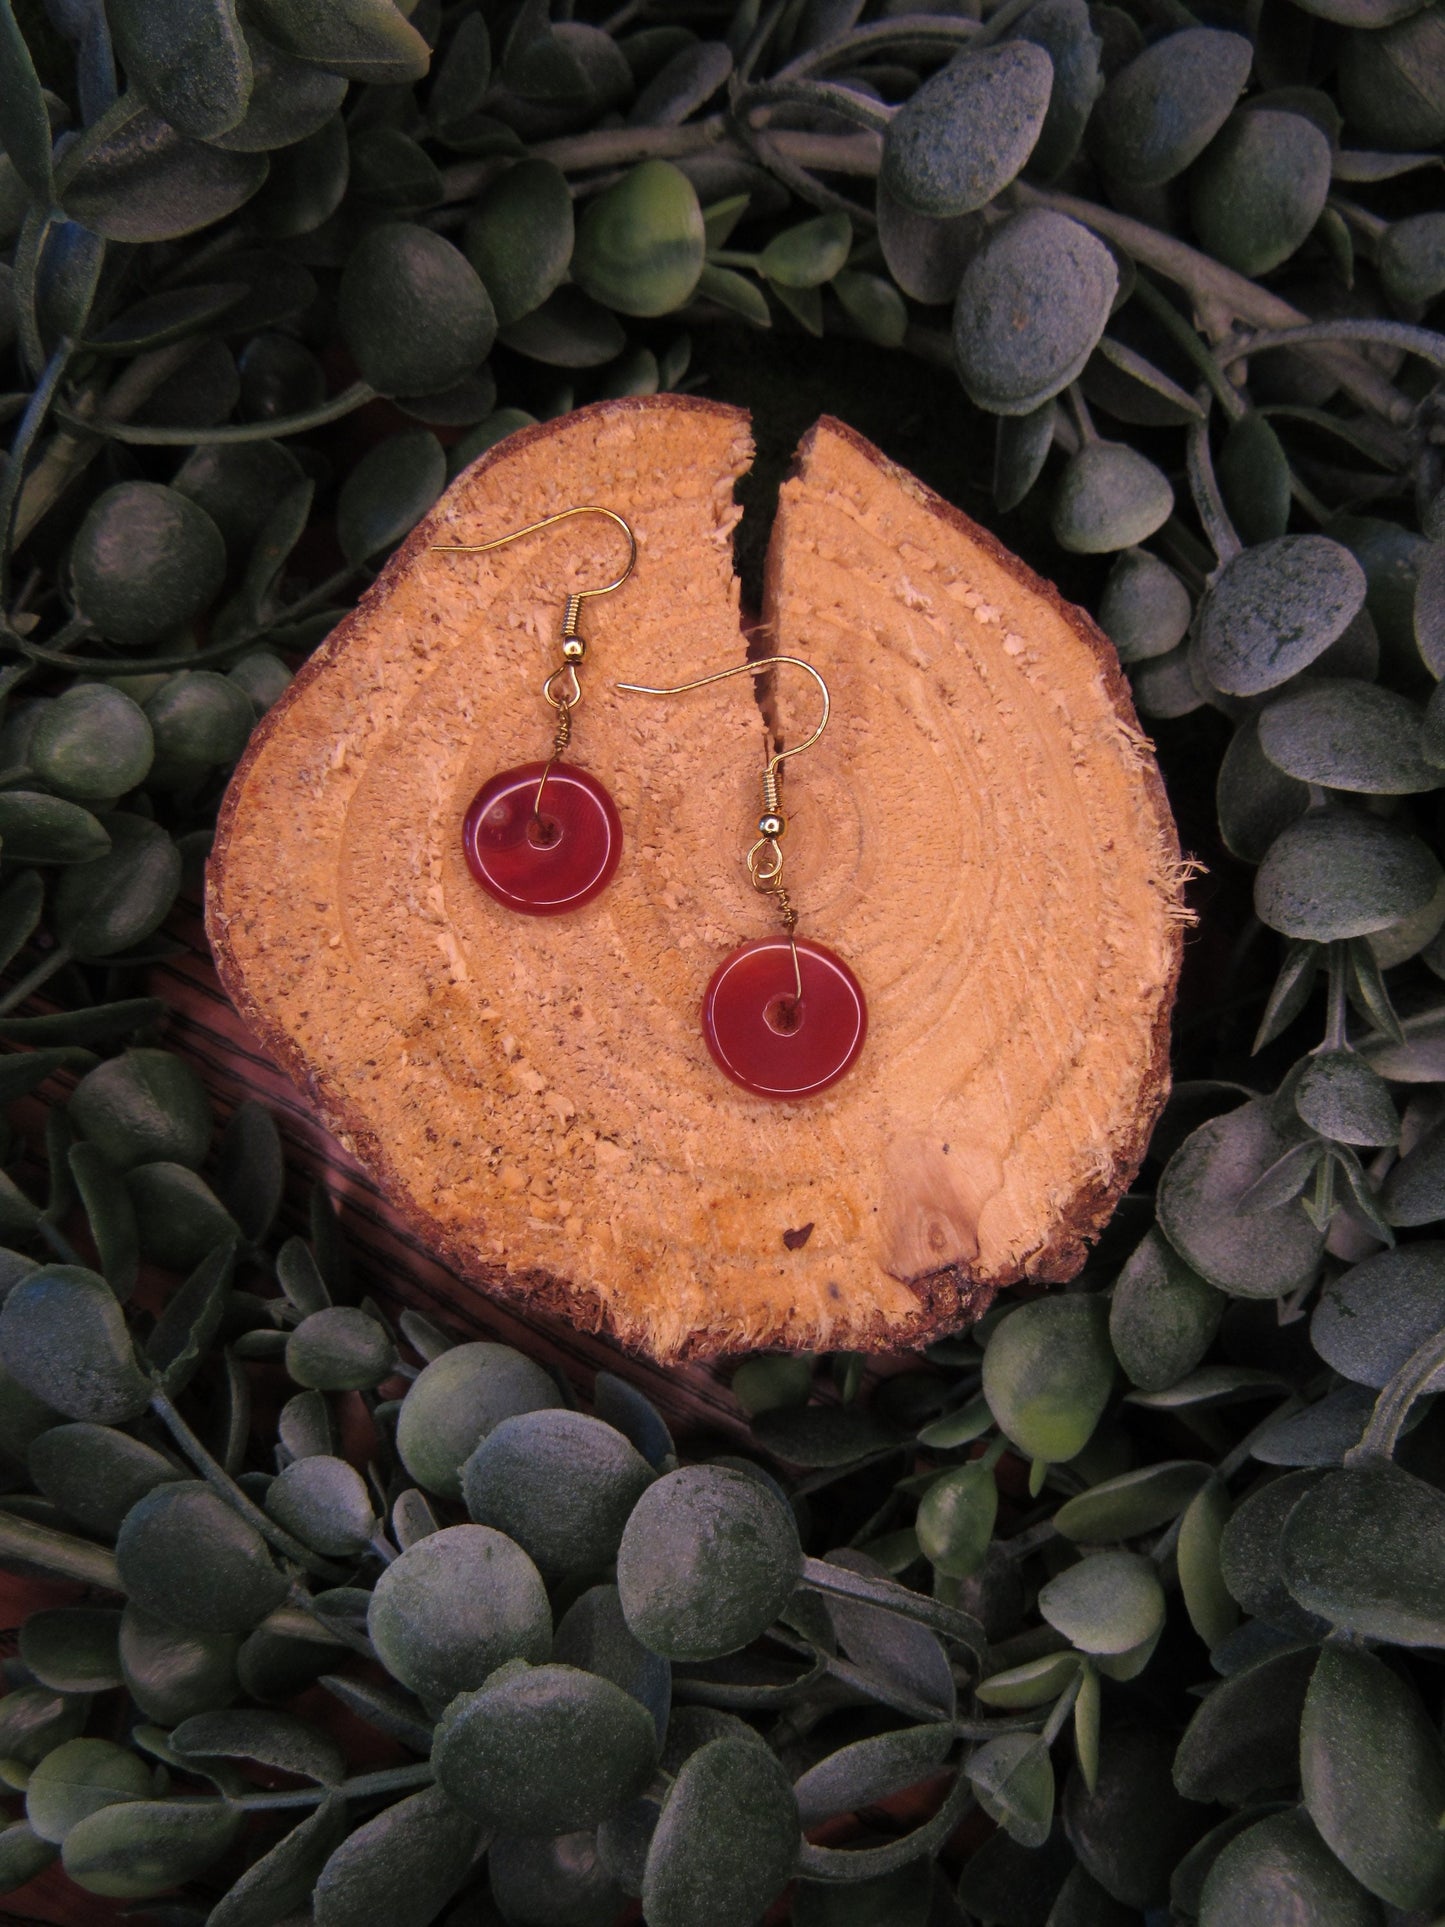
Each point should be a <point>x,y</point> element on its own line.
<point>784,1018</point>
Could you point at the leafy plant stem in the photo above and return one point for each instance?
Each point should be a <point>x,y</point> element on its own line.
<point>1337,1007</point>
<point>1188,342</point>
<point>137,435</point>
<point>40,1548</point>
<point>391,1779</point>
<point>49,966</point>
<point>1392,1407</point>
<point>1062,1707</point>
<point>221,1481</point>
<point>838,1580</point>
<point>31,423</point>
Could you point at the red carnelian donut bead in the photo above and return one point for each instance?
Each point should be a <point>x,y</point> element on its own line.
<point>768,1042</point>
<point>542,864</point>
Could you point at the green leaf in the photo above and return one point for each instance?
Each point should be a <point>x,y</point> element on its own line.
<point>708,1560</point>
<point>1274,609</point>
<point>1375,1316</point>
<point>110,1214</point>
<point>569,330</point>
<point>1014,1780</point>
<point>1365,1549</point>
<point>1414,1187</point>
<point>810,254</point>
<point>870,1770</point>
<point>1265,1255</point>
<point>280,1882</point>
<point>1134,1502</point>
<point>822,1435</point>
<point>369,40</point>
<point>23,1855</point>
<point>187,1559</point>
<point>1031,306</point>
<point>1109,497</point>
<point>593,1635</point>
<point>92,741</point>
<point>1341,1097</point>
<point>1390,82</point>
<point>1038,1682</point>
<point>727,1841</point>
<point>561,1879</point>
<point>1259,189</point>
<point>1162,1315</point>
<point>74,1649</point>
<point>250,1169</point>
<point>324,1503</point>
<point>454,1607</point>
<point>340,1349</point>
<point>24,121</point>
<point>35,1719</point>
<point>95,1475</point>
<point>388,492</point>
<point>80,1778</point>
<point>956,1518</point>
<point>1319,1435</point>
<point>290,102</point>
<point>1374,1777</point>
<point>273,1739</point>
<point>200,719</point>
<point>134,177</point>
<point>1254,477</point>
<point>1251,1554</point>
<point>171,1674</point>
<point>403,1865</point>
<point>1145,608</point>
<point>191,62</point>
<point>681,85</point>
<point>146,562</point>
<point>457,1400</point>
<point>1133,1828</point>
<point>1281,1863</point>
<point>21,903</point>
<point>544,1749</point>
<point>520,238</point>
<point>180,1219</point>
<point>1107,1603</point>
<point>1347,735</point>
<point>1341,873</point>
<point>1255,802</point>
<point>1243,1744</point>
<point>36,828</point>
<point>764,1383</point>
<point>1021,447</point>
<point>969,130</point>
<point>640,242</point>
<point>1048,1372</point>
<point>901,1656</point>
<point>561,1485</point>
<point>1162,109</point>
<point>63,1338</point>
<point>145,1847</point>
<point>412,311</point>
<point>141,1107</point>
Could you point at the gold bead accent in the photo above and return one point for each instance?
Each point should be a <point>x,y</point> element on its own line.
<point>771,825</point>
<point>573,648</point>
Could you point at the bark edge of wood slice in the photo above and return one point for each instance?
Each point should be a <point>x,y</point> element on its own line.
<point>982,834</point>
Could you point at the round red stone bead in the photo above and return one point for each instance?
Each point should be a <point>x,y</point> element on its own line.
<point>763,1038</point>
<point>542,863</point>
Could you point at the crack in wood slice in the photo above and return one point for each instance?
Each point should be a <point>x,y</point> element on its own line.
<point>981,834</point>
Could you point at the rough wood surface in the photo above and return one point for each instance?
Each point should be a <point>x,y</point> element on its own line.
<point>982,835</point>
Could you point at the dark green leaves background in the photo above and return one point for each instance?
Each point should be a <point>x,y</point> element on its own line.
<point>1130,1599</point>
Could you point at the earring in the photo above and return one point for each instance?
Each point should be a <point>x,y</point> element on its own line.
<point>783,1017</point>
<point>545,837</point>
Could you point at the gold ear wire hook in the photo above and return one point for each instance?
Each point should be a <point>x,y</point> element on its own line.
<point>765,858</point>
<point>574,648</point>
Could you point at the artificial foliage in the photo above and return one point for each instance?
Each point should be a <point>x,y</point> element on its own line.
<point>1127,1601</point>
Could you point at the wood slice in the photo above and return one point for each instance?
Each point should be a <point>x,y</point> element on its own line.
<point>981,834</point>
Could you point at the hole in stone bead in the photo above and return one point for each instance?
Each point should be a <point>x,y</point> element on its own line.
<point>783,1015</point>
<point>543,832</point>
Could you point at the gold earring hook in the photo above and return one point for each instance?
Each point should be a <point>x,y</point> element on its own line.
<point>547,522</point>
<point>765,858</point>
<point>563,688</point>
